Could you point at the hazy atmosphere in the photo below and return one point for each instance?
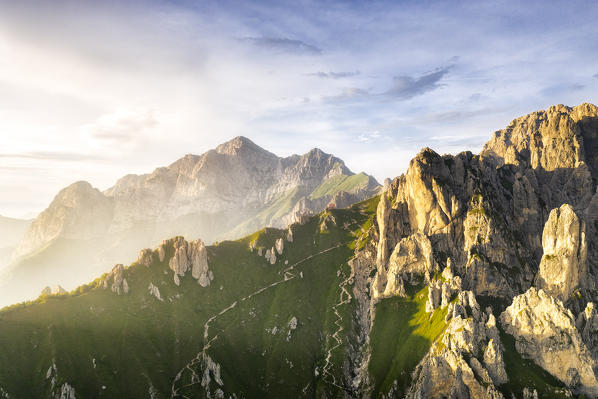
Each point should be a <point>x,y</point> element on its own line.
<point>298,199</point>
<point>94,90</point>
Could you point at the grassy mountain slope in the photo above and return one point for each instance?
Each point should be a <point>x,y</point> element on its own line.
<point>108,345</point>
<point>333,185</point>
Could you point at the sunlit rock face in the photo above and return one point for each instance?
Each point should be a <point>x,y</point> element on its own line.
<point>545,332</point>
<point>431,200</point>
<point>189,256</point>
<point>410,259</point>
<point>563,267</point>
<point>466,361</point>
<point>487,212</point>
<point>515,224</point>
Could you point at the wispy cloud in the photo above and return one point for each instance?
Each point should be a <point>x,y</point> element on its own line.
<point>122,125</point>
<point>458,115</point>
<point>283,44</point>
<point>348,94</point>
<point>595,76</point>
<point>405,87</point>
<point>369,136</point>
<point>334,75</point>
<point>560,88</point>
<point>52,156</point>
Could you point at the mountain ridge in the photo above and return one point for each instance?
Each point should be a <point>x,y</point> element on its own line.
<point>226,192</point>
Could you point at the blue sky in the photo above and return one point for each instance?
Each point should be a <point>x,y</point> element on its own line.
<point>95,90</point>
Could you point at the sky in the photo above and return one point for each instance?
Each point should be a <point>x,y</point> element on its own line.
<point>95,90</point>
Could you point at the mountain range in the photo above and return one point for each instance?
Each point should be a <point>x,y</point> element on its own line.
<point>469,276</point>
<point>227,192</point>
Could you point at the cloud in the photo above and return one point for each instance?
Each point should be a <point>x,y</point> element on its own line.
<point>121,126</point>
<point>369,136</point>
<point>595,76</point>
<point>405,87</point>
<point>334,75</point>
<point>460,115</point>
<point>348,94</point>
<point>560,88</point>
<point>51,156</point>
<point>283,44</point>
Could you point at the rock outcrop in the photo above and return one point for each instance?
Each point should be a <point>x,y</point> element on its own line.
<point>190,256</point>
<point>58,290</point>
<point>410,261</point>
<point>452,368</point>
<point>545,331</point>
<point>211,373</point>
<point>67,391</point>
<point>486,212</point>
<point>494,363</point>
<point>116,281</point>
<point>292,326</point>
<point>279,246</point>
<point>563,267</point>
<point>155,292</point>
<point>587,325</point>
<point>146,257</point>
<point>271,255</point>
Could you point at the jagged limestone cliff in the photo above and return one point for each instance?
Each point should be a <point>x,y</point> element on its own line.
<point>517,215</point>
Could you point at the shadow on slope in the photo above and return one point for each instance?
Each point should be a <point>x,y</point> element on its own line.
<point>402,335</point>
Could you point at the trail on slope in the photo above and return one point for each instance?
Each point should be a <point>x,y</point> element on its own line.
<point>344,298</point>
<point>198,359</point>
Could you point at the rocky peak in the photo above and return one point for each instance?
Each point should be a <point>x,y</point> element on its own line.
<point>76,195</point>
<point>316,164</point>
<point>316,154</point>
<point>431,200</point>
<point>78,189</point>
<point>78,211</point>
<point>559,137</point>
<point>563,267</point>
<point>240,144</point>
